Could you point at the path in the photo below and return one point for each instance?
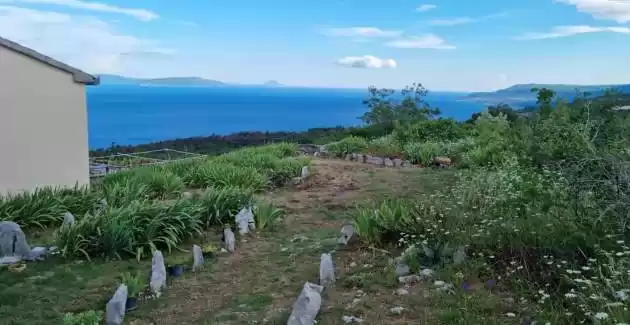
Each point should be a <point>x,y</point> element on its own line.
<point>259,283</point>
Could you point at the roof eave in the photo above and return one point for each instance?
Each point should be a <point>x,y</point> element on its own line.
<point>86,79</point>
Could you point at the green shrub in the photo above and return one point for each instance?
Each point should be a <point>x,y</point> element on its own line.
<point>220,205</point>
<point>45,206</point>
<point>267,215</point>
<point>347,145</point>
<point>424,152</point>
<point>212,174</point>
<point>135,229</point>
<point>386,146</point>
<point>90,317</point>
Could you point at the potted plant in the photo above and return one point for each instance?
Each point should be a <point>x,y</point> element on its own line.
<point>209,250</point>
<point>134,286</point>
<point>90,317</point>
<point>175,266</point>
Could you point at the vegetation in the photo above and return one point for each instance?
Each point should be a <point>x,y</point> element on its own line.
<point>541,209</point>
<point>145,206</point>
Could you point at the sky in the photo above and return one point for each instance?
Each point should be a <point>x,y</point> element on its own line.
<point>451,45</point>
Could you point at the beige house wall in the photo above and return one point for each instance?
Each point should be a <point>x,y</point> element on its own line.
<point>43,126</point>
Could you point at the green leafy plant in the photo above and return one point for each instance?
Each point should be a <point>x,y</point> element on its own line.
<point>266,215</point>
<point>90,317</point>
<point>133,282</point>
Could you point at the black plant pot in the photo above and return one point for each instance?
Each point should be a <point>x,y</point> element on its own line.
<point>131,303</point>
<point>175,270</point>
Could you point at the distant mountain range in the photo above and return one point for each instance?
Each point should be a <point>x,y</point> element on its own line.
<point>171,81</point>
<point>521,95</point>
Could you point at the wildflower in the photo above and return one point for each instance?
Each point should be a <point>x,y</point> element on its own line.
<point>601,315</point>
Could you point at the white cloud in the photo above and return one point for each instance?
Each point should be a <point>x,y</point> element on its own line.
<point>141,14</point>
<point>362,32</point>
<point>464,20</point>
<point>564,31</point>
<point>366,62</point>
<point>426,7</point>
<point>428,41</point>
<point>451,21</point>
<point>87,43</point>
<point>617,10</point>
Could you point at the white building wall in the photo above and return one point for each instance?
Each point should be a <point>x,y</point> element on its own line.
<point>43,126</point>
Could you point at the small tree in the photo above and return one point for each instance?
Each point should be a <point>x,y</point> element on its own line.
<point>385,108</point>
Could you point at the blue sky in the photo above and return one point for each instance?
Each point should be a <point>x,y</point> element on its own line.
<point>444,44</point>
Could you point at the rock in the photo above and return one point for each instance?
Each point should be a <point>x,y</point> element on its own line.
<point>38,253</point>
<point>426,273</point>
<point>397,310</point>
<point>307,305</point>
<point>353,264</point>
<point>442,161</point>
<point>402,270</point>
<point>13,241</point>
<point>6,260</point>
<point>406,163</point>
<point>197,258</point>
<point>388,162</point>
<point>402,292</point>
<point>375,160</point>
<point>316,154</point>
<point>158,273</point>
<point>305,172</point>
<point>326,271</point>
<point>459,257</point>
<point>68,220</point>
<point>351,319</point>
<point>187,195</point>
<point>409,279</point>
<point>347,234</point>
<point>229,240</point>
<point>245,220</point>
<point>397,162</point>
<point>115,308</point>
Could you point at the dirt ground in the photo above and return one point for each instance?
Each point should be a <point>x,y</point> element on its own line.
<point>259,283</point>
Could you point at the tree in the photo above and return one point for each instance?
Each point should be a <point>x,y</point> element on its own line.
<point>385,108</point>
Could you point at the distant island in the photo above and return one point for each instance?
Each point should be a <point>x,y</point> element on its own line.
<point>272,83</point>
<point>107,79</point>
<point>170,81</point>
<point>521,95</point>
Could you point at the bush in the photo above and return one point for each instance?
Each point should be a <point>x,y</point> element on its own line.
<point>219,174</point>
<point>220,205</point>
<point>386,146</point>
<point>347,145</point>
<point>45,206</point>
<point>424,152</point>
<point>136,229</point>
<point>267,215</point>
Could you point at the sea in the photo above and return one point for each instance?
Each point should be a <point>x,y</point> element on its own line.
<point>130,114</point>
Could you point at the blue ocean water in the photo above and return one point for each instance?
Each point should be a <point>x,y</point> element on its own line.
<point>136,114</point>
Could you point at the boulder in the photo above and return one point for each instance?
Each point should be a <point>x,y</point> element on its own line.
<point>13,241</point>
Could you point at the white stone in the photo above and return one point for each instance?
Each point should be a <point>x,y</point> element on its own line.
<point>351,320</point>
<point>68,220</point>
<point>229,240</point>
<point>197,258</point>
<point>307,305</point>
<point>13,241</point>
<point>397,310</point>
<point>115,308</point>
<point>326,271</point>
<point>245,220</point>
<point>158,273</point>
<point>305,172</point>
<point>402,292</point>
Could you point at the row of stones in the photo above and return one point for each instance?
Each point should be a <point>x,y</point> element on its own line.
<point>379,161</point>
